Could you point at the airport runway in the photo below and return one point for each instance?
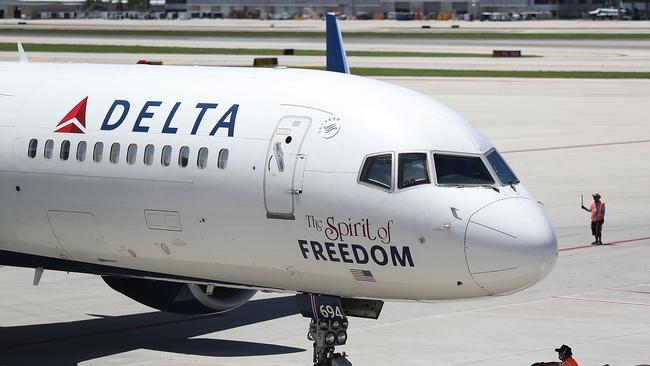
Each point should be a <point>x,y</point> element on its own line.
<point>562,137</point>
<point>556,55</point>
<point>311,25</point>
<point>566,60</point>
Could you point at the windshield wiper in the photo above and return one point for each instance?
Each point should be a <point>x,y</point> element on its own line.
<point>489,186</point>
<point>512,184</point>
<point>495,188</point>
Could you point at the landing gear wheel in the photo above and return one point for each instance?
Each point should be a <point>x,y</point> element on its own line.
<point>326,334</point>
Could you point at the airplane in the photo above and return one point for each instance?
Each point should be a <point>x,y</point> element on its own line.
<point>188,189</point>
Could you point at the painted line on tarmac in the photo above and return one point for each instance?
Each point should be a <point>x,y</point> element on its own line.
<point>576,146</point>
<point>603,301</point>
<point>613,243</point>
<point>629,291</point>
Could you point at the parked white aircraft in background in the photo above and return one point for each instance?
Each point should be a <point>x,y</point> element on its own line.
<point>189,188</point>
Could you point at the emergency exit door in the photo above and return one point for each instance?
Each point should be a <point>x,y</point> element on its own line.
<point>284,167</point>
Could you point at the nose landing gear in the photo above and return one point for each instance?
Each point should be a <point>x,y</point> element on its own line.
<point>329,323</point>
<point>326,334</point>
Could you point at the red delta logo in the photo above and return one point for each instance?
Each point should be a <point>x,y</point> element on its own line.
<point>151,113</point>
<point>75,120</point>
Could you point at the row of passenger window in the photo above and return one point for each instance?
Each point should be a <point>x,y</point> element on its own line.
<point>412,170</point>
<point>148,156</point>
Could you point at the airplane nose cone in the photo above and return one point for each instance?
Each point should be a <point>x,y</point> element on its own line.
<point>509,245</point>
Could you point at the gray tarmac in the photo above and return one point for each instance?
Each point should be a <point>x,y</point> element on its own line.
<point>549,54</point>
<point>553,54</point>
<point>562,137</point>
<point>313,25</point>
<point>597,61</point>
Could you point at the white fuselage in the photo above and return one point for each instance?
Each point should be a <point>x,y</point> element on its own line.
<point>283,213</point>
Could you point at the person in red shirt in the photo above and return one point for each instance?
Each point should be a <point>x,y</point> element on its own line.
<point>564,354</point>
<point>597,211</point>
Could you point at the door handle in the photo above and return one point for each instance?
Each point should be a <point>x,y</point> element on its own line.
<point>279,156</point>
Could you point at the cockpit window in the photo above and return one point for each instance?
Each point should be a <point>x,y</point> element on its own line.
<point>378,170</point>
<point>506,176</point>
<point>454,169</point>
<point>412,170</point>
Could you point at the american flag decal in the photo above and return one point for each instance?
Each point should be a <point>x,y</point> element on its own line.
<point>362,275</point>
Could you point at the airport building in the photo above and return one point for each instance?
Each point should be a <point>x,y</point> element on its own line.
<point>360,9</point>
<point>402,10</point>
<point>19,9</point>
<point>369,9</point>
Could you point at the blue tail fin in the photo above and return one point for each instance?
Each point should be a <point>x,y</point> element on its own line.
<point>336,60</point>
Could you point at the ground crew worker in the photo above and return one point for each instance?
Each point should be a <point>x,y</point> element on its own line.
<point>564,354</point>
<point>597,211</point>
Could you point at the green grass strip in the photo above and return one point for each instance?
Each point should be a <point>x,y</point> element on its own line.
<point>370,71</point>
<point>80,48</point>
<point>271,33</point>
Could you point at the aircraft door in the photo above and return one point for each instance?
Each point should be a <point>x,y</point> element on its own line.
<point>284,167</point>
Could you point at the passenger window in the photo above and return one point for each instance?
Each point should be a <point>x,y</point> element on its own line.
<point>506,176</point>
<point>81,151</point>
<point>377,170</point>
<point>98,152</point>
<point>64,154</point>
<point>131,154</point>
<point>149,151</point>
<point>183,156</point>
<point>33,147</point>
<point>222,161</point>
<point>202,158</point>
<point>115,153</point>
<point>453,169</point>
<point>412,170</point>
<point>166,156</point>
<point>49,147</point>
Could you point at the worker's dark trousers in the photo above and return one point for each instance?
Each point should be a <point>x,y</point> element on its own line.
<point>597,229</point>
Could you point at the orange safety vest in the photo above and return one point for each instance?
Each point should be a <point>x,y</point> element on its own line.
<point>569,362</point>
<point>597,210</point>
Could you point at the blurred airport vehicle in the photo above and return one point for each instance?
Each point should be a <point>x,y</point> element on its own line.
<point>610,14</point>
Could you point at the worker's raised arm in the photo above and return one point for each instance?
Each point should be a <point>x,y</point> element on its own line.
<point>546,364</point>
<point>584,208</point>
